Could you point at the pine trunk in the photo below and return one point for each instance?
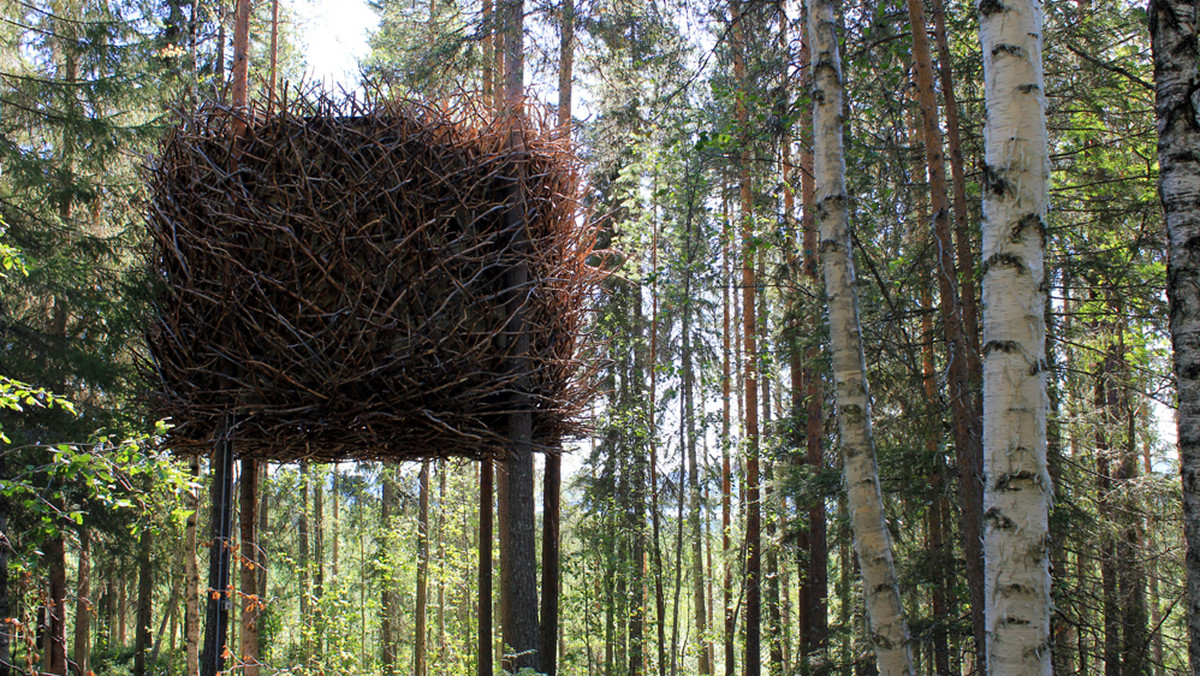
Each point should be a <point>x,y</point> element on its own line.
<point>726,444</point>
<point>141,646</point>
<point>962,239</point>
<point>552,481</point>
<point>1173,36</point>
<point>753,581</point>
<point>1017,486</point>
<point>55,657</point>
<point>389,604</point>
<point>705,652</point>
<point>518,560</point>
<point>83,602</point>
<point>962,410</point>
<point>551,516</point>
<point>484,638</point>
<point>419,630</point>
<point>251,594</point>
<point>814,568</point>
<point>652,421</point>
<point>872,542</point>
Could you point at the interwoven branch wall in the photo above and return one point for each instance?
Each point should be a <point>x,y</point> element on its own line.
<point>337,280</point>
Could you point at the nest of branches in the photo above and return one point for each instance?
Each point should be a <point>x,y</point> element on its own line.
<point>367,280</point>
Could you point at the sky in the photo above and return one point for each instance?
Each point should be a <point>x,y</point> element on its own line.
<point>334,36</point>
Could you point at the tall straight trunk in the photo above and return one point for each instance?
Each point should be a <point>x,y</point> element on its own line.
<point>814,596</point>
<point>962,409</point>
<point>814,397</point>
<point>1131,576</point>
<point>216,621</point>
<point>1105,400</point>
<point>938,562</point>
<point>1061,627</point>
<point>484,630</point>
<point>698,533</point>
<point>419,631</point>
<point>1156,639</point>
<point>83,602</point>
<point>263,533</point>
<point>551,517</point>
<point>753,580</point>
<point>305,563</point>
<point>389,602</point>
<point>769,584</point>
<point>141,646</point>
<point>552,480</point>
<point>1017,486</point>
<point>191,573</point>
<point>55,657</point>
<point>1173,38</point>
<point>872,543</point>
<point>775,634</point>
<point>518,560</point>
<point>635,500</point>
<point>726,442</point>
<point>958,181</point>
<point>652,420</point>
<point>251,596</point>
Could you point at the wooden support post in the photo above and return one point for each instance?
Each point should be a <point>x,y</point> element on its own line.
<point>216,621</point>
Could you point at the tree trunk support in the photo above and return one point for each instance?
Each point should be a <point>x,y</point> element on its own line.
<point>216,621</point>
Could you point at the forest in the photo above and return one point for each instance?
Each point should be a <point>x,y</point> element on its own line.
<point>892,349</point>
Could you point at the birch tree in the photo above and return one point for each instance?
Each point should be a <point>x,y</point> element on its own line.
<point>872,542</point>
<point>1176,78</point>
<point>1017,486</point>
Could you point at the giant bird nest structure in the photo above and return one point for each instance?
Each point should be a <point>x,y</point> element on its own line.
<point>345,279</point>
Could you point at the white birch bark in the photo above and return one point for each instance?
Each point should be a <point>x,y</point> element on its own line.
<point>872,542</point>
<point>1017,487</point>
<point>1173,35</point>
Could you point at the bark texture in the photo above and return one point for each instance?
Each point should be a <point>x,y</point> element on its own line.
<point>145,598</point>
<point>484,630</point>
<point>962,400</point>
<point>1017,485</point>
<point>419,630</point>
<point>216,621</point>
<point>55,658</point>
<point>753,580</point>
<point>518,558</point>
<point>872,542</point>
<point>1173,37</point>
<point>83,603</point>
<point>251,595</point>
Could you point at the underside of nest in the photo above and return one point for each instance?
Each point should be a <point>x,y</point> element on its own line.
<point>339,281</point>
